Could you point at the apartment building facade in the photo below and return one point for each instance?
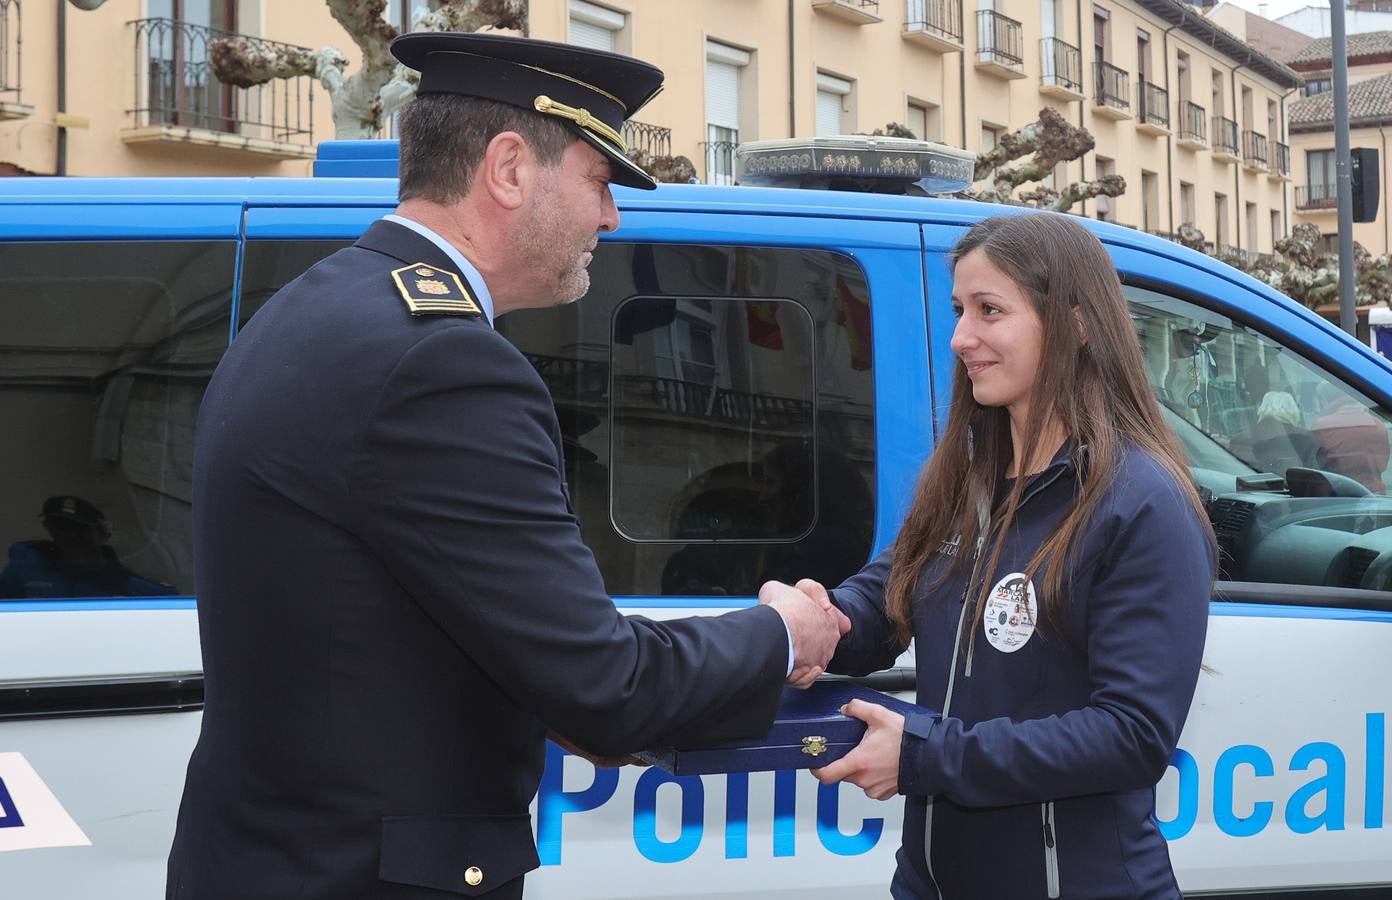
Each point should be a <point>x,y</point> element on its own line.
<point>1179,106</point>
<point>1312,133</point>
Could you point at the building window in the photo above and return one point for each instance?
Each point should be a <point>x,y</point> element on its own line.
<point>1319,85</point>
<point>724,66</point>
<point>1106,206</point>
<point>1150,200</point>
<point>1252,227</point>
<point>1277,232</point>
<point>1142,56</point>
<point>1100,34</point>
<point>1220,214</point>
<point>1186,203</point>
<point>1217,98</point>
<point>1319,164</point>
<point>1273,121</point>
<point>990,135</point>
<point>925,120</point>
<point>595,26</point>
<point>833,101</point>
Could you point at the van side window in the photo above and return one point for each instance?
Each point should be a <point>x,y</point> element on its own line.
<point>1294,460</point>
<point>716,410</point>
<point>107,350</point>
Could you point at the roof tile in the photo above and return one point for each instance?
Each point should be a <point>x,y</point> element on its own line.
<point>1370,99</point>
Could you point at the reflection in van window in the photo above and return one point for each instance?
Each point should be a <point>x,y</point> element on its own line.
<point>103,367</point>
<point>715,406</point>
<point>722,388</point>
<point>1295,462</point>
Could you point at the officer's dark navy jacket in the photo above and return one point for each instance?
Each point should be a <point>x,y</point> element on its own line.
<point>1086,713</point>
<point>395,605</point>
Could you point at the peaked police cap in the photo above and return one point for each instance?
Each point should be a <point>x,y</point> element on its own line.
<point>590,91</point>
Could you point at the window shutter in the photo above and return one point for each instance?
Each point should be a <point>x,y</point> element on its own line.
<point>828,113</point>
<point>917,122</point>
<point>585,34</point>
<point>722,94</point>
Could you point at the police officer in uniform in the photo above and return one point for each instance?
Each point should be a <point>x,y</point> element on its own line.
<point>394,602</point>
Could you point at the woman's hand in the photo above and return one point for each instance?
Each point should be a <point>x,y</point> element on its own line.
<point>873,766</point>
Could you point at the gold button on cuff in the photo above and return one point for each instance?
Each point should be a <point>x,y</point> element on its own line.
<point>473,876</point>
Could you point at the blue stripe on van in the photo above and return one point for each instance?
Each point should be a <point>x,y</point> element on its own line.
<point>88,604</point>
<point>1271,611</point>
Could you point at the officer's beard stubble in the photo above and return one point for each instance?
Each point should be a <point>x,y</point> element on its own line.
<point>555,251</point>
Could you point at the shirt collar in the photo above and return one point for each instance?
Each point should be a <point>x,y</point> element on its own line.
<point>467,269</point>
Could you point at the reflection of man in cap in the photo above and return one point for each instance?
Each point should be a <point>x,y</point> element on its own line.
<point>76,562</point>
<point>394,602</point>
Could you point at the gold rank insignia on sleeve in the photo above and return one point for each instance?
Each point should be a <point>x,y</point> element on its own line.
<point>429,291</point>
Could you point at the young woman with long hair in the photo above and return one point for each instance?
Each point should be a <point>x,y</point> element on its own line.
<point>1055,569</point>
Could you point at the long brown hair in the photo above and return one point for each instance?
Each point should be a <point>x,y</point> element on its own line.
<point>1095,389</point>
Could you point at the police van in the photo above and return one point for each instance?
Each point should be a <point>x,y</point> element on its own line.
<point>747,392</point>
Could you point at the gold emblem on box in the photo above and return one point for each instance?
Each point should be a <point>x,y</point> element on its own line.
<point>814,745</point>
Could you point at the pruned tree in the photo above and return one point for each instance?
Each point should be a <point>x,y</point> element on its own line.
<point>668,169</point>
<point>1048,141</point>
<point>894,129</point>
<point>1302,271</point>
<point>362,102</point>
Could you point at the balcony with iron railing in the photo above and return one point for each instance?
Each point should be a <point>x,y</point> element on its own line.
<point>720,161</point>
<point>1316,198</point>
<point>1000,45</point>
<point>11,43</point>
<point>1224,139</point>
<point>1062,69</point>
<point>652,140</point>
<point>1193,126</point>
<point>1152,108</point>
<point>1280,161</point>
<point>177,97</point>
<point>936,24</point>
<point>1111,91</point>
<point>857,12</point>
<point>1254,151</point>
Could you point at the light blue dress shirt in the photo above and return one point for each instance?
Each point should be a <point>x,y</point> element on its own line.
<point>470,272</point>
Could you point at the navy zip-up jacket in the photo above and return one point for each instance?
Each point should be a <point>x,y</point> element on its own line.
<point>1038,779</point>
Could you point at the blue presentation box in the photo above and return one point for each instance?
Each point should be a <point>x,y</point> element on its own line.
<point>808,732</point>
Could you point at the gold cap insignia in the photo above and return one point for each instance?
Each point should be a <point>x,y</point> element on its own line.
<point>442,295</point>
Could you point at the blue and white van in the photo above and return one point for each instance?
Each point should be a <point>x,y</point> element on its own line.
<point>747,392</point>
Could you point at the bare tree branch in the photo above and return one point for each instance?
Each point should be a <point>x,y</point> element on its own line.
<point>1106,186</point>
<point>363,101</point>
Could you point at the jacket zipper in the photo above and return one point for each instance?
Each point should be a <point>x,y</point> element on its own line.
<point>984,516</point>
<point>1051,867</point>
<point>947,706</point>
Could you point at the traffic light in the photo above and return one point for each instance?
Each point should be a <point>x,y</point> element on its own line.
<point>1363,173</point>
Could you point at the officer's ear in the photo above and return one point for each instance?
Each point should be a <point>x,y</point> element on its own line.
<point>508,170</point>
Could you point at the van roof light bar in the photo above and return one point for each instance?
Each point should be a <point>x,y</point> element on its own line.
<point>869,164</point>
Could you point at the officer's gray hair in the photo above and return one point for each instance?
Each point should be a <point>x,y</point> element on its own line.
<point>444,137</point>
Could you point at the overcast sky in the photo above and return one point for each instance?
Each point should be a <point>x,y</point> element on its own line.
<point>1275,8</point>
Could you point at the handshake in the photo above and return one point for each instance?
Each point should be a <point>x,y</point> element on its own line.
<point>815,625</point>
